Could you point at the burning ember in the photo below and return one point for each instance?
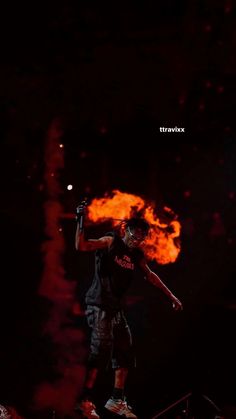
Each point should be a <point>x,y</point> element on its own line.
<point>162,243</point>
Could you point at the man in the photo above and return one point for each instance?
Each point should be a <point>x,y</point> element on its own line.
<point>116,258</point>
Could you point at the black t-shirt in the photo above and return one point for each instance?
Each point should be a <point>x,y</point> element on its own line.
<point>114,271</point>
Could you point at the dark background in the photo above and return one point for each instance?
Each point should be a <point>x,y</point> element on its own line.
<point>112,74</point>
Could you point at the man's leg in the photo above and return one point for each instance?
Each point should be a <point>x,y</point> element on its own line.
<point>100,354</point>
<point>123,358</point>
<point>90,380</point>
<point>120,377</point>
<point>85,404</point>
<point>119,383</point>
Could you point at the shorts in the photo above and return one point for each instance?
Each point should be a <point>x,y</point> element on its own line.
<point>111,339</point>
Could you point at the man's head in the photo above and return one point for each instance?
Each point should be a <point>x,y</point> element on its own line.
<point>136,230</point>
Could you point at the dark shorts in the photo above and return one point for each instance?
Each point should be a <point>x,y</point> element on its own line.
<point>111,339</point>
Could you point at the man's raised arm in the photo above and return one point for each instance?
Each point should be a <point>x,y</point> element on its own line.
<point>91,244</point>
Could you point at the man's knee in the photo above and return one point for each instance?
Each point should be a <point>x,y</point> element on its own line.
<point>100,353</point>
<point>125,359</point>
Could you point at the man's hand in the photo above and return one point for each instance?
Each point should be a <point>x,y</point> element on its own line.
<point>176,304</point>
<point>80,210</point>
<point>80,215</point>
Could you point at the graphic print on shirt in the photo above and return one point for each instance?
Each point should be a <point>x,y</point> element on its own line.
<point>124,262</point>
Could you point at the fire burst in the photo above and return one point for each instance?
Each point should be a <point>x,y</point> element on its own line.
<point>162,243</point>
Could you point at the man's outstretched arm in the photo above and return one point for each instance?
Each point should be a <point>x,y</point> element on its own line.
<point>155,280</point>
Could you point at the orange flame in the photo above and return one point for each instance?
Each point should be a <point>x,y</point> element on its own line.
<point>162,243</point>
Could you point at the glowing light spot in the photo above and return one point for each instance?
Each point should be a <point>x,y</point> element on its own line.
<point>228,8</point>
<point>208,28</point>
<point>61,145</point>
<point>208,84</point>
<point>83,154</point>
<point>187,194</point>
<point>69,187</point>
<point>103,130</point>
<point>182,99</point>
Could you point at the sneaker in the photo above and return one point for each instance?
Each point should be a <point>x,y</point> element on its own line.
<point>88,409</point>
<point>120,407</point>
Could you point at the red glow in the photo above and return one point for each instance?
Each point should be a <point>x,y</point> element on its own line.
<point>201,106</point>
<point>178,159</point>
<point>103,130</point>
<point>208,84</point>
<point>207,28</point>
<point>13,413</point>
<point>161,244</point>
<point>68,342</point>
<point>182,99</point>
<point>228,8</point>
<point>187,194</point>
<point>83,154</point>
<point>60,396</point>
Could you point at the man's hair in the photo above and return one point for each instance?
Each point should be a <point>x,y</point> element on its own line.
<point>135,222</point>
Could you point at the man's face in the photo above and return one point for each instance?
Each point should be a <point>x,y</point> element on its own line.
<point>134,236</point>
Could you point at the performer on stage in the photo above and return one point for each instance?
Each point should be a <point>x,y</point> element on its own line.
<point>116,258</point>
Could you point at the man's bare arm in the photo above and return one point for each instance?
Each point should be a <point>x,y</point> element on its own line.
<point>83,244</point>
<point>155,280</point>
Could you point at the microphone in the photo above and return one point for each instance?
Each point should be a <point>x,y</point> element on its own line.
<point>80,213</point>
